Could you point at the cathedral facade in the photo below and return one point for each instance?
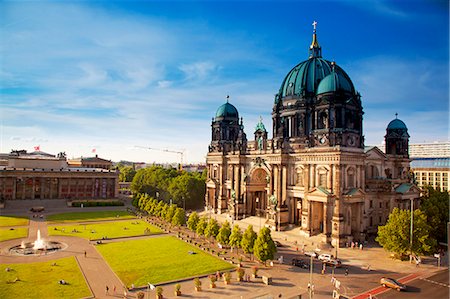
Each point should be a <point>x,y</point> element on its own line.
<point>315,172</point>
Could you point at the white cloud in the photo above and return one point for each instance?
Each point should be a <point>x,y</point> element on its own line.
<point>199,70</point>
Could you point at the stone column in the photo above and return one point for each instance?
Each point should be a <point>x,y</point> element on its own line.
<point>14,188</point>
<point>325,218</point>
<point>284,184</point>
<point>33,182</point>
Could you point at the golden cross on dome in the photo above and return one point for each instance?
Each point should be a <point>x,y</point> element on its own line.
<point>228,98</point>
<point>314,25</point>
<point>396,114</point>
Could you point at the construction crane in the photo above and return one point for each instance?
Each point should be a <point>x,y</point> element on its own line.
<point>181,153</point>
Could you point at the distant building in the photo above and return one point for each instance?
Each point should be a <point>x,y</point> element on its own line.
<point>40,175</point>
<point>430,150</point>
<point>90,162</point>
<point>431,164</point>
<point>194,167</point>
<point>315,172</point>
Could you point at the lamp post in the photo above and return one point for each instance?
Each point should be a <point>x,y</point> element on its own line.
<point>259,212</point>
<point>411,232</point>
<point>310,278</point>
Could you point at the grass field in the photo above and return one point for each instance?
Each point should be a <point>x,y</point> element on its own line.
<point>40,280</point>
<point>89,216</point>
<point>8,234</point>
<point>110,229</point>
<point>158,260</point>
<point>13,221</point>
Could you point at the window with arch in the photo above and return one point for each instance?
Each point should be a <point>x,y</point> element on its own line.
<point>300,175</point>
<point>322,177</point>
<point>215,172</point>
<point>351,178</point>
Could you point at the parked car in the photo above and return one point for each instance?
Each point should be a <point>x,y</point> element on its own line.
<point>325,257</point>
<point>300,263</point>
<point>392,283</point>
<point>37,209</point>
<point>311,253</point>
<point>333,263</point>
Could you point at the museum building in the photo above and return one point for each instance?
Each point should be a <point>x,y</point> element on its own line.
<point>315,172</point>
<point>39,175</point>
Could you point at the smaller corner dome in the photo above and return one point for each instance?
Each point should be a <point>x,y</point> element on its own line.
<point>335,81</point>
<point>227,110</point>
<point>397,124</point>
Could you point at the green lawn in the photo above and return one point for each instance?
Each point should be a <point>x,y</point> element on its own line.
<point>110,229</point>
<point>89,216</point>
<point>17,232</point>
<point>158,260</point>
<point>13,220</point>
<point>40,280</point>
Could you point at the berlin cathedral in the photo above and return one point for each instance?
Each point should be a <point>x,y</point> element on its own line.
<point>315,173</point>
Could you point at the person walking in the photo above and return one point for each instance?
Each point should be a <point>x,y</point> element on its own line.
<point>107,290</point>
<point>346,271</point>
<point>85,253</point>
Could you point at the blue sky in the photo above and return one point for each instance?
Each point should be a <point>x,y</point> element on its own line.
<point>79,75</point>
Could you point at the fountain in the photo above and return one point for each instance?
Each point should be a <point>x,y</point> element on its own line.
<point>37,247</point>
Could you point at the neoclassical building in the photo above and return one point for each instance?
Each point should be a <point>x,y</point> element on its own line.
<point>315,172</point>
<point>39,175</point>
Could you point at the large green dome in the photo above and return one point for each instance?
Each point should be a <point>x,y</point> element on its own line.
<point>305,78</point>
<point>227,110</point>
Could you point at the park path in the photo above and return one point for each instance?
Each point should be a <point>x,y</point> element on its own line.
<point>99,274</point>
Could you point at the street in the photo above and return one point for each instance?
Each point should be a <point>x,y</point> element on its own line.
<point>435,286</point>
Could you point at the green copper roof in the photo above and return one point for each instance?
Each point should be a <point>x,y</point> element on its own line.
<point>335,82</point>
<point>396,124</point>
<point>260,126</point>
<point>305,78</point>
<point>403,188</point>
<point>227,110</point>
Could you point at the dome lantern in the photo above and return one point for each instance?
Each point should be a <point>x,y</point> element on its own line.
<point>314,49</point>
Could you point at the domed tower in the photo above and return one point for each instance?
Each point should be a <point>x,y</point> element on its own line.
<point>397,138</point>
<point>227,132</point>
<point>317,105</point>
<point>260,136</point>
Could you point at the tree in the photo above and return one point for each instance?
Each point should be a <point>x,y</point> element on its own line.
<point>188,190</point>
<point>248,240</point>
<point>170,213</point>
<point>436,206</point>
<point>264,247</point>
<point>212,228</point>
<point>235,237</point>
<point>395,235</point>
<point>201,225</point>
<point>223,236</point>
<point>192,221</point>
<point>126,174</point>
<point>179,218</point>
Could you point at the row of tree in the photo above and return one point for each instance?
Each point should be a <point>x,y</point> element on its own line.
<point>262,245</point>
<point>170,213</point>
<point>182,188</point>
<point>429,226</point>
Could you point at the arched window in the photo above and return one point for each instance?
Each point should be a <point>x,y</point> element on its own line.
<point>300,175</point>
<point>351,178</point>
<point>322,177</point>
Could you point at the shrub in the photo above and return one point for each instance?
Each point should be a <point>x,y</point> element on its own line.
<point>177,287</point>
<point>197,282</point>
<point>159,290</point>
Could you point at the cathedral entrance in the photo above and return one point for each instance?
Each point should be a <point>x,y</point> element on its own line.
<point>257,194</point>
<point>317,219</point>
